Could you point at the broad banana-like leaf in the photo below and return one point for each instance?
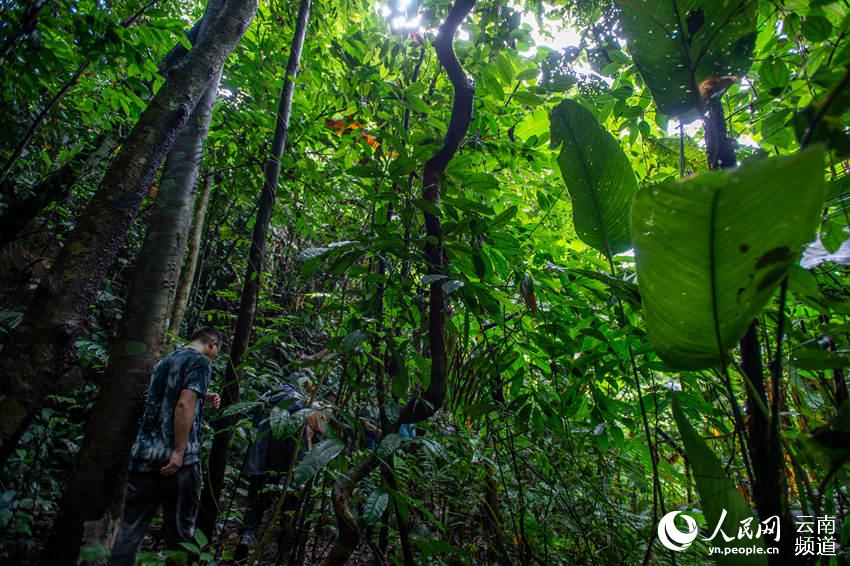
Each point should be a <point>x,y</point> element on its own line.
<point>717,493</point>
<point>712,248</point>
<point>689,50</point>
<point>598,176</point>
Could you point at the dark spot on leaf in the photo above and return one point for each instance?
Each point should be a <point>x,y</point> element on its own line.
<point>776,255</point>
<point>744,248</point>
<point>772,277</point>
<point>695,21</point>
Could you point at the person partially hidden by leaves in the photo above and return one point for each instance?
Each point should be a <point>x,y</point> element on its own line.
<point>370,418</point>
<point>270,455</point>
<point>165,461</point>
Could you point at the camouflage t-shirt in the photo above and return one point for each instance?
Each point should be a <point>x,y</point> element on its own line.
<point>182,369</point>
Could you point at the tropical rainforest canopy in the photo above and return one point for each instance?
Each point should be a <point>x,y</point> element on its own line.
<point>593,253</point>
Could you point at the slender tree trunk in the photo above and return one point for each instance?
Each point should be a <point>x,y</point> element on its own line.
<point>93,498</point>
<point>210,232</point>
<point>39,120</point>
<point>57,185</point>
<point>839,383</point>
<point>766,458</point>
<point>43,345</point>
<point>421,407</point>
<point>251,287</point>
<point>54,188</point>
<point>187,274</point>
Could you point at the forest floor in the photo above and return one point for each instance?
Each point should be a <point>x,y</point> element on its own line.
<point>315,547</point>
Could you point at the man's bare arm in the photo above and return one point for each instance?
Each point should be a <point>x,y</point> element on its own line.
<point>184,417</point>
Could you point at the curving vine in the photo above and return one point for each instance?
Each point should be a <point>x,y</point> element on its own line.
<point>423,406</point>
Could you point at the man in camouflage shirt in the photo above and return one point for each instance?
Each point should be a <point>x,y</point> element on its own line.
<point>165,462</point>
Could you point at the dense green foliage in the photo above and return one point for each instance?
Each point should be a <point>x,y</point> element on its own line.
<point>599,279</point>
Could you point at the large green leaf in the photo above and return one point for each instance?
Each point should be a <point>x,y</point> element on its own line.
<point>681,47</point>
<point>375,505</point>
<point>389,444</point>
<point>598,175</point>
<point>712,248</point>
<point>315,460</point>
<point>717,493</point>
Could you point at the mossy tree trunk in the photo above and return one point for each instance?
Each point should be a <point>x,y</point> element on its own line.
<point>42,347</point>
<point>190,265</point>
<point>92,503</point>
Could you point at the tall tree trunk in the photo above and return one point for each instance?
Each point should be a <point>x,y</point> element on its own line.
<point>187,274</point>
<point>423,407</point>
<point>43,345</point>
<point>251,286</point>
<point>92,502</point>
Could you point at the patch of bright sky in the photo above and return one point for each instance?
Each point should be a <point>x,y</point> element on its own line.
<point>746,139</point>
<point>555,34</point>
<point>401,22</point>
<point>693,128</point>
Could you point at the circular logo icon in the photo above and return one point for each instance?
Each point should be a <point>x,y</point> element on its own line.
<point>670,535</point>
